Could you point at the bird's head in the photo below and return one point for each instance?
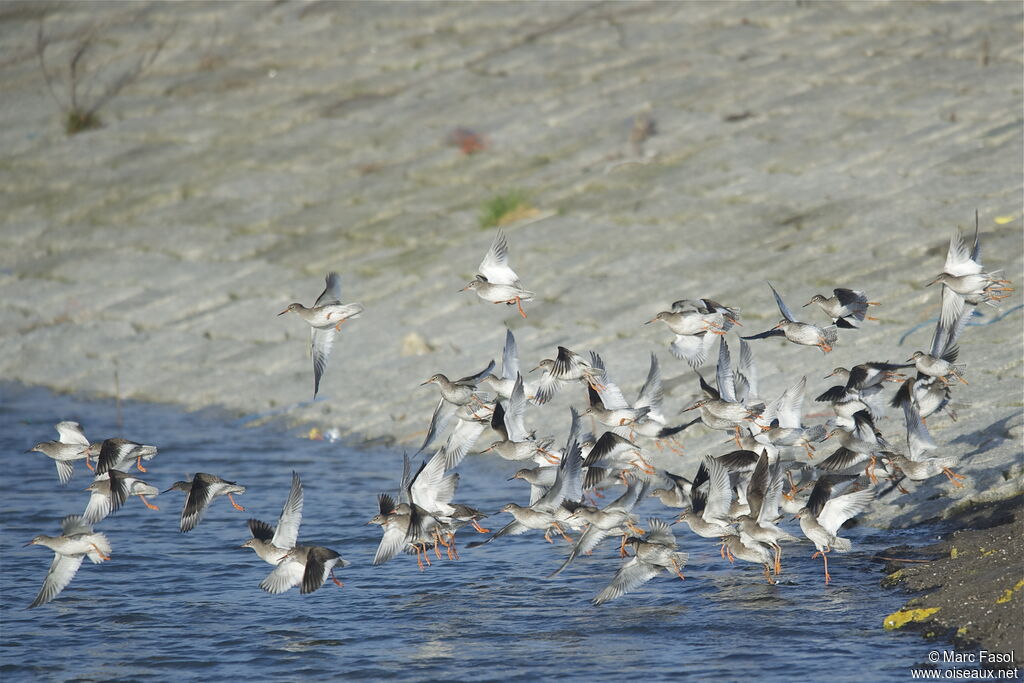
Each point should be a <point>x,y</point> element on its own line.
<point>661,316</point>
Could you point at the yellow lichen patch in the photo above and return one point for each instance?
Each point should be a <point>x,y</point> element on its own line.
<point>315,434</point>
<point>953,552</point>
<point>893,578</point>
<point>1008,593</point>
<point>962,631</point>
<point>904,616</point>
<point>1003,220</point>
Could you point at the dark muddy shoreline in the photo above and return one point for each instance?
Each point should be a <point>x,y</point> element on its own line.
<point>970,584</point>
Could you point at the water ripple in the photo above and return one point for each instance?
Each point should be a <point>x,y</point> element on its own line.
<point>187,606</point>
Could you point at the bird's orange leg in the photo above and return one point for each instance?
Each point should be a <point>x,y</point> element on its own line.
<point>147,503</point>
<point>899,486</point>
<point>824,557</point>
<point>953,477</point>
<point>869,471</point>
<point>453,548</point>
<point>448,547</point>
<point>792,484</point>
<point>679,570</point>
<point>99,552</point>
<point>419,562</point>
<point>236,505</point>
<point>337,583</point>
<point>138,464</point>
<point>809,448</point>
<point>646,467</point>
<point>519,305</point>
<point>479,528</point>
<point>421,548</point>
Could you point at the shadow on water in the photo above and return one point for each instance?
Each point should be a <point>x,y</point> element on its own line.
<point>188,606</point>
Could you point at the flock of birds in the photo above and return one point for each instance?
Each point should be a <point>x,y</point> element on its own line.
<point>738,498</point>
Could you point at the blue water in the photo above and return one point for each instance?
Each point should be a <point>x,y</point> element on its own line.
<point>188,606</point>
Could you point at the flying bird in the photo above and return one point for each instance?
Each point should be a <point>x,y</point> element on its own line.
<point>76,542</point>
<point>847,307</point>
<point>656,552</point>
<point>325,317</point>
<point>495,280</point>
<point>71,445</point>
<point>272,544</point>
<point>798,332</point>
<point>200,492</point>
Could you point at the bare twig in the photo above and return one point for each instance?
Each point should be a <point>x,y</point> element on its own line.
<point>80,109</point>
<point>897,559</point>
<point>76,57</point>
<point>117,392</point>
<point>41,44</point>
<point>131,75</point>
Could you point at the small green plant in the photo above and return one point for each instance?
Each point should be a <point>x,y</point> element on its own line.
<point>77,120</point>
<point>78,113</point>
<point>505,208</point>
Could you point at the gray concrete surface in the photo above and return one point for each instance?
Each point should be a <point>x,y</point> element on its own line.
<point>813,144</point>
